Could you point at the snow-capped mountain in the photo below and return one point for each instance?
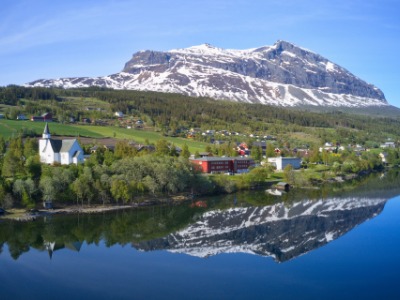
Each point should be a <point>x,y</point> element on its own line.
<point>282,74</point>
<point>279,231</point>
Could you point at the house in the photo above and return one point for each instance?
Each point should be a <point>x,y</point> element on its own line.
<point>281,162</point>
<point>205,154</point>
<point>46,117</point>
<point>22,117</point>
<point>64,152</point>
<point>262,145</point>
<point>383,156</point>
<point>282,186</point>
<point>242,149</point>
<point>388,145</point>
<point>210,164</point>
<point>119,114</point>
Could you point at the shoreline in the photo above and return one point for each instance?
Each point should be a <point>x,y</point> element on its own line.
<point>23,215</point>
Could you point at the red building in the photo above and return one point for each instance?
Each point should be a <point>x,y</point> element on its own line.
<point>222,164</point>
<point>46,117</point>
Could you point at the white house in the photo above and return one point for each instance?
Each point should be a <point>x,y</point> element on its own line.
<point>64,152</point>
<point>388,145</point>
<point>281,162</point>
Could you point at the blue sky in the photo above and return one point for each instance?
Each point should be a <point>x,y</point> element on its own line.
<point>51,38</point>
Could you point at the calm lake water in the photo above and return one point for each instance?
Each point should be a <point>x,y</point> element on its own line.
<point>339,242</point>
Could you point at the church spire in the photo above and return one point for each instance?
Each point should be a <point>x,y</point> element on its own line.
<point>46,132</point>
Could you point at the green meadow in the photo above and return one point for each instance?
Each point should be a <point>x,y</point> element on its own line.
<point>10,128</point>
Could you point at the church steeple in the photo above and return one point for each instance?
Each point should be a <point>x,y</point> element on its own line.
<point>46,132</point>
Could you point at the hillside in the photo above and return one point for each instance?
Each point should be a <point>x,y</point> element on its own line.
<point>172,115</point>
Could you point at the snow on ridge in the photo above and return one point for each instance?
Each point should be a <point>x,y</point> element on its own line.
<point>253,216</point>
<point>330,67</point>
<point>207,241</point>
<point>209,50</point>
<point>162,83</point>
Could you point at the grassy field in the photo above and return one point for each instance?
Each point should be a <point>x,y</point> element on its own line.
<point>78,103</point>
<point>140,136</point>
<point>10,128</point>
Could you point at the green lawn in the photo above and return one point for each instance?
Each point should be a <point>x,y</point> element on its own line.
<point>140,136</point>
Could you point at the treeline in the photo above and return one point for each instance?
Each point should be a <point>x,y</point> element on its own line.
<point>117,177</point>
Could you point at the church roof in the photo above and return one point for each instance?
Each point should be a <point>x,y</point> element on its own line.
<point>67,145</point>
<point>76,154</point>
<point>60,145</point>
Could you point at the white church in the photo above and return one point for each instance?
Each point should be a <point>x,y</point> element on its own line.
<point>64,152</point>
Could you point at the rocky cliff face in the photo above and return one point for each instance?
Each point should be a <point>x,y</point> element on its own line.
<point>277,231</point>
<point>282,74</point>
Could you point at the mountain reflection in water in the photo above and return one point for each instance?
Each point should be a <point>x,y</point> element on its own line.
<point>280,231</point>
<point>283,229</point>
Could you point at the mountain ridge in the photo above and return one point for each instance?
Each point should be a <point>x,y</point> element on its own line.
<point>282,74</point>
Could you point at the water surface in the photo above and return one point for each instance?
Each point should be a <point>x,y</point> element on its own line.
<point>336,243</point>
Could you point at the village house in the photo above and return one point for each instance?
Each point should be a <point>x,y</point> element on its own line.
<point>281,162</point>
<point>232,165</point>
<point>64,152</point>
<point>22,117</point>
<point>46,117</point>
<point>383,156</point>
<point>205,154</point>
<point>242,149</point>
<point>388,145</point>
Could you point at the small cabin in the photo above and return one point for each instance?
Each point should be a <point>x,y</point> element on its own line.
<point>48,204</point>
<point>282,186</point>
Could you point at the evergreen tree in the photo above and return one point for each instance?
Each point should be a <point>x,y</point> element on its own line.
<point>185,151</point>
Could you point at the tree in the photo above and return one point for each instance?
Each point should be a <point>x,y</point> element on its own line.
<point>150,184</point>
<point>172,151</point>
<point>79,188</point>
<point>109,158</point>
<point>2,146</point>
<point>48,188</point>
<point>13,159</point>
<point>288,174</point>
<point>124,149</point>
<point>256,153</point>
<point>270,151</point>
<point>11,164</point>
<point>119,190</point>
<point>185,151</point>
<point>18,188</point>
<point>33,167</point>
<point>315,156</point>
<point>162,148</point>
<point>30,147</point>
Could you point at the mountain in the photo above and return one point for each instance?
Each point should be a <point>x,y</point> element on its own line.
<point>282,75</point>
<point>280,231</point>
